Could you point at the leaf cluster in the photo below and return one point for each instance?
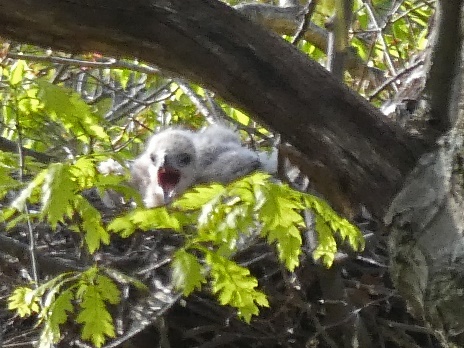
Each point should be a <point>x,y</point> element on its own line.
<point>31,104</point>
<point>217,220</point>
<point>82,296</point>
<point>58,192</point>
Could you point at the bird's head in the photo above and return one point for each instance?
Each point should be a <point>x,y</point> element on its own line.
<point>173,162</point>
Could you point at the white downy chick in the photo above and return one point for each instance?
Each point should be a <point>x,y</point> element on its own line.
<point>166,168</point>
<point>176,159</point>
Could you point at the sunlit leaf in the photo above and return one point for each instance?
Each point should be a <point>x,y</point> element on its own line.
<point>187,272</point>
<point>17,72</point>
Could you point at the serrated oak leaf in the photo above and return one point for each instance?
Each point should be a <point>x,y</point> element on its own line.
<point>58,191</point>
<point>91,224</point>
<point>97,323</point>
<point>24,301</point>
<point>197,197</point>
<point>234,286</point>
<point>187,272</point>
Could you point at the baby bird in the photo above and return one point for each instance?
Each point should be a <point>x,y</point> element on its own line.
<point>177,159</point>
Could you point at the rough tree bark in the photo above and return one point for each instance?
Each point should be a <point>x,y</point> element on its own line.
<point>426,218</point>
<point>347,141</point>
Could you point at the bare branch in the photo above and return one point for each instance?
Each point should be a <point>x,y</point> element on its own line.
<point>287,20</point>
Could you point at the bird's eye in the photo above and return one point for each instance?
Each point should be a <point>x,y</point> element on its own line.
<point>153,157</point>
<point>184,159</point>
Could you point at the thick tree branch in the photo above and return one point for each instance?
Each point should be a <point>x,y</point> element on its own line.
<point>210,43</point>
<point>444,82</point>
<point>10,146</point>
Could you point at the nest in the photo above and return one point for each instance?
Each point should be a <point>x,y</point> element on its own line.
<point>351,304</point>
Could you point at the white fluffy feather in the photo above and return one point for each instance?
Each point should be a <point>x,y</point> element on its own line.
<point>176,159</point>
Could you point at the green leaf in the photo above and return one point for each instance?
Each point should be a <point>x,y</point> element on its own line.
<point>157,218</point>
<point>84,172</point>
<point>7,183</point>
<point>123,75</point>
<point>235,286</point>
<point>65,106</point>
<point>94,290</point>
<point>56,315</point>
<point>28,103</point>
<point>123,226</point>
<point>108,288</point>
<point>31,192</point>
<point>17,72</point>
<point>91,224</point>
<point>197,197</point>
<point>327,223</point>
<point>187,272</point>
<point>90,289</point>
<point>279,208</point>
<point>59,190</point>
<point>145,219</point>
<point>223,223</point>
<point>288,245</point>
<point>24,301</point>
<point>280,213</point>
<point>241,117</point>
<point>97,321</point>
<point>327,246</point>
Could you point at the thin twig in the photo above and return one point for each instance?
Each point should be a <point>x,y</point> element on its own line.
<point>109,63</point>
<point>394,78</point>
<point>307,12</point>
<point>379,35</point>
<point>196,100</point>
<point>405,327</point>
<point>32,250</point>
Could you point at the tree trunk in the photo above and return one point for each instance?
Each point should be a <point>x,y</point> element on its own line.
<point>426,217</point>
<point>426,244</point>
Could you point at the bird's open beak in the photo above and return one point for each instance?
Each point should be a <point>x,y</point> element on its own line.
<point>168,178</point>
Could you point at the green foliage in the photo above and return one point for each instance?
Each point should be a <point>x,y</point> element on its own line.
<point>59,305</point>
<point>215,220</point>
<point>224,216</point>
<point>24,301</point>
<point>187,272</point>
<point>85,296</point>
<point>59,189</point>
<point>144,219</point>
<point>91,224</point>
<point>234,286</point>
<point>7,168</point>
<point>328,222</point>
<point>280,209</point>
<point>32,104</point>
<point>95,290</point>
<point>65,106</point>
<point>17,72</point>
<point>58,192</point>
